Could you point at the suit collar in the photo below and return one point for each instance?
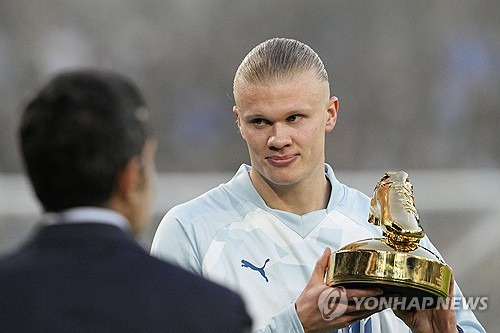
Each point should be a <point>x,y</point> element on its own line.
<point>82,234</point>
<point>77,215</point>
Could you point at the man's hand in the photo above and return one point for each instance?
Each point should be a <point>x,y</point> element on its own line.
<point>442,319</point>
<point>308,309</point>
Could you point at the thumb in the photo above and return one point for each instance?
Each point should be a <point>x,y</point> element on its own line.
<point>451,292</point>
<point>452,286</point>
<point>318,273</point>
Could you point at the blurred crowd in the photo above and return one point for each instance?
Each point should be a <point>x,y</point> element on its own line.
<point>417,81</point>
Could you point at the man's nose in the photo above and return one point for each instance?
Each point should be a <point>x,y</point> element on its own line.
<point>279,138</point>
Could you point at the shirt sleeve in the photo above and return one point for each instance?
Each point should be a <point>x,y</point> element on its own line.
<point>465,317</point>
<point>173,243</point>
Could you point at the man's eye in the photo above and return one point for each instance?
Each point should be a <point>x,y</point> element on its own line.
<point>258,121</point>
<point>294,118</point>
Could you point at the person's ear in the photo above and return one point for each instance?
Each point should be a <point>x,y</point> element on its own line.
<point>130,180</point>
<point>332,112</point>
<point>238,120</point>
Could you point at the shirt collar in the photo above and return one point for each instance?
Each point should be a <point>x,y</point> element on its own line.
<point>244,187</point>
<point>78,215</point>
<point>301,224</point>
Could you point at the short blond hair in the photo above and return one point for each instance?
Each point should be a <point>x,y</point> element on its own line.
<point>277,59</point>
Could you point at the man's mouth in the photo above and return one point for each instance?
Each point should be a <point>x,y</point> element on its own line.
<point>281,161</point>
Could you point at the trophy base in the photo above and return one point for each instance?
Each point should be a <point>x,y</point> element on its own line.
<point>407,298</point>
<point>418,277</point>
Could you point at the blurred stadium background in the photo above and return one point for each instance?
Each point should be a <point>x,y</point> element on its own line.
<point>418,83</point>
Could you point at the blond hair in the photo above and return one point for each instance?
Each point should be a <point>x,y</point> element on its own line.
<point>277,59</point>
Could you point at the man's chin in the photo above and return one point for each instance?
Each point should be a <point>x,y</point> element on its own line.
<point>282,179</point>
<point>278,176</point>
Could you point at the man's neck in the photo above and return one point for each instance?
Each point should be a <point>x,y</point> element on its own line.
<point>301,198</point>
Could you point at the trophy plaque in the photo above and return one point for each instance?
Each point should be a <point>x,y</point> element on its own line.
<point>395,263</point>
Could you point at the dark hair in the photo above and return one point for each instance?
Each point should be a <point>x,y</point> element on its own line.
<point>76,135</point>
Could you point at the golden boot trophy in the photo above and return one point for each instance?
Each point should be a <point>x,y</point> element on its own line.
<point>395,263</point>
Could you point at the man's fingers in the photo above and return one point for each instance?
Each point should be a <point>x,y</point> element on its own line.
<point>367,304</point>
<point>363,293</point>
<point>452,286</point>
<point>318,273</point>
<point>352,317</point>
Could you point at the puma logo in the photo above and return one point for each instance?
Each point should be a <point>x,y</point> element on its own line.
<point>245,263</point>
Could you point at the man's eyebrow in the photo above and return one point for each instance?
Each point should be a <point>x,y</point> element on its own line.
<point>254,115</point>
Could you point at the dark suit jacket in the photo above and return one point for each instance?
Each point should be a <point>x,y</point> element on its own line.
<point>96,278</point>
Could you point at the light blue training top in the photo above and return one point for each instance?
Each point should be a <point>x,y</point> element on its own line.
<point>230,236</point>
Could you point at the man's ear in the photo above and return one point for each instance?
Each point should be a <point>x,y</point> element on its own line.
<point>129,180</point>
<point>333,109</point>
<point>238,120</point>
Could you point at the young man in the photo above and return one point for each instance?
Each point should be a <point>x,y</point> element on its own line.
<point>89,152</point>
<point>262,232</point>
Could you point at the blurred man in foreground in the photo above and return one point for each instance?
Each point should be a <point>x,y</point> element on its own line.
<point>88,148</point>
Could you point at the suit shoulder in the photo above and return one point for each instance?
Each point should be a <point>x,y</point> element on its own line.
<point>175,279</point>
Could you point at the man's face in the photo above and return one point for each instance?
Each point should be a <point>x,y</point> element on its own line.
<point>284,125</point>
<point>144,188</point>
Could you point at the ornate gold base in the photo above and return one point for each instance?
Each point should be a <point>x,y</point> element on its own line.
<point>373,263</point>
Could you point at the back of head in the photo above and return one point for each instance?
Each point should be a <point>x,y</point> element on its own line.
<point>77,133</point>
<point>278,59</point>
